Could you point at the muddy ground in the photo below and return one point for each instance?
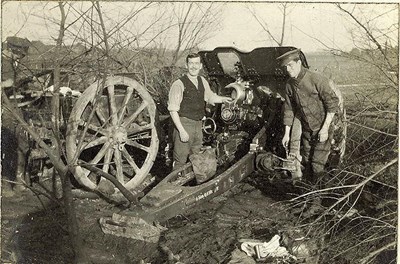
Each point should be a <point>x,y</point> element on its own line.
<point>34,229</point>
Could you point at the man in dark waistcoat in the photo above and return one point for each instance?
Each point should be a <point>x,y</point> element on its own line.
<point>310,105</point>
<point>14,141</point>
<point>186,104</point>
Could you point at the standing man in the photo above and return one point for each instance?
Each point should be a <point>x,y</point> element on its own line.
<point>187,109</point>
<point>14,142</point>
<point>309,109</point>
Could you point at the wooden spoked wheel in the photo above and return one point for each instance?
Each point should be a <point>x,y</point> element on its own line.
<point>114,129</point>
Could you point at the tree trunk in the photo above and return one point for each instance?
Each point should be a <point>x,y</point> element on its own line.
<point>69,207</point>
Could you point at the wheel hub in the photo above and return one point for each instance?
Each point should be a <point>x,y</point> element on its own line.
<point>119,136</point>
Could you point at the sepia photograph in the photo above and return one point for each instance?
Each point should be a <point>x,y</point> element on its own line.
<point>234,132</point>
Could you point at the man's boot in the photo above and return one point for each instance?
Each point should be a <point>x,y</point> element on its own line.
<point>19,178</point>
<point>298,174</point>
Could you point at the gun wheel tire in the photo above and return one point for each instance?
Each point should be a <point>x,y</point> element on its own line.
<point>113,127</point>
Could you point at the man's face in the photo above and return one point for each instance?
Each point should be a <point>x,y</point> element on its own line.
<point>194,66</point>
<point>293,68</point>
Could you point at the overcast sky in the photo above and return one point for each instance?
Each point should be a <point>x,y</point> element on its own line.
<point>306,22</point>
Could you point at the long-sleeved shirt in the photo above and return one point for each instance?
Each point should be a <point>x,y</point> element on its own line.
<point>309,97</point>
<point>176,94</point>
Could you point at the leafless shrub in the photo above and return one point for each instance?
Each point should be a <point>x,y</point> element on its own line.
<point>357,220</point>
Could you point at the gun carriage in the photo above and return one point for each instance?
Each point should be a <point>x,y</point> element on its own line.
<point>113,132</point>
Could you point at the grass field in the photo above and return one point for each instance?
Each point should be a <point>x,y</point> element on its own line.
<point>344,71</point>
<point>362,85</point>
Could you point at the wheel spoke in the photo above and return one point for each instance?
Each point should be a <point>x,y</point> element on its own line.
<point>130,119</point>
<point>137,129</point>
<point>107,159</point>
<point>97,129</point>
<point>144,135</point>
<point>113,106</point>
<point>118,164</point>
<point>100,130</point>
<point>99,156</point>
<point>137,145</point>
<point>102,117</point>
<point>96,142</point>
<point>130,160</point>
<point>128,95</point>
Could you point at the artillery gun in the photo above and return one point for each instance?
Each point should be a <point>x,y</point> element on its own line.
<point>113,133</point>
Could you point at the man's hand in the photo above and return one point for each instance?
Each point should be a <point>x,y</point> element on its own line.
<point>184,135</point>
<point>226,99</point>
<point>286,137</point>
<point>285,140</point>
<point>323,134</point>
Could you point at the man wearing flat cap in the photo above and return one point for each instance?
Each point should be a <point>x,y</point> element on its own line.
<point>309,108</point>
<point>13,50</point>
<point>14,143</point>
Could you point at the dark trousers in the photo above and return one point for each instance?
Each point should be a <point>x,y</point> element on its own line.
<point>14,148</point>
<point>182,150</point>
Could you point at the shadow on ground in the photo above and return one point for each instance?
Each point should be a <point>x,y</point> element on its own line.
<point>32,233</point>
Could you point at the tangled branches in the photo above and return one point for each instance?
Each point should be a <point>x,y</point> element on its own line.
<point>353,216</point>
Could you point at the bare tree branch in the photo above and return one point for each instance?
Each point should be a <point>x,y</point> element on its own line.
<point>284,8</point>
<point>358,187</point>
<point>367,32</point>
<point>379,250</point>
<point>194,25</point>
